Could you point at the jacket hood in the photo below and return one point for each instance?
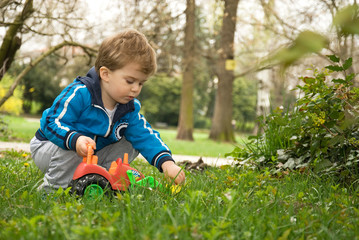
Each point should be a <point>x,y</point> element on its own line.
<point>92,82</point>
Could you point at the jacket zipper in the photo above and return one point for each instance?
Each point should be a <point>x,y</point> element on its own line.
<point>109,120</point>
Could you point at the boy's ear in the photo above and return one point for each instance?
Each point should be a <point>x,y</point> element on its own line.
<point>104,73</point>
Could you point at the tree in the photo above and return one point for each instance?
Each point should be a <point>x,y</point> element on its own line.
<point>185,124</point>
<point>32,22</point>
<point>222,129</point>
<point>11,42</point>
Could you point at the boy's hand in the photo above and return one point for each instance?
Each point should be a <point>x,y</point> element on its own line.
<point>82,143</point>
<point>173,171</point>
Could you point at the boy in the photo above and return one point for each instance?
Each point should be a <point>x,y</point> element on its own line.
<point>102,109</point>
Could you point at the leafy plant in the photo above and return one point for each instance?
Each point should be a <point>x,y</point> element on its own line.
<point>329,114</point>
<point>322,131</point>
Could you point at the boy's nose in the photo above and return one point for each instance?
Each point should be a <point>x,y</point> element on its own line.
<point>135,87</point>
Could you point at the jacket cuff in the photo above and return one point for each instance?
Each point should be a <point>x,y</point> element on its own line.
<point>162,160</point>
<point>71,140</point>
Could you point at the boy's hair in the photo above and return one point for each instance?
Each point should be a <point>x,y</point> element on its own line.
<point>126,47</point>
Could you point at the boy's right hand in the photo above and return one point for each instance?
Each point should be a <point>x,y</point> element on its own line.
<point>82,143</point>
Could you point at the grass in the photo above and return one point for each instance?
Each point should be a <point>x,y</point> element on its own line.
<point>23,129</point>
<point>219,203</point>
<point>20,129</point>
<point>201,146</point>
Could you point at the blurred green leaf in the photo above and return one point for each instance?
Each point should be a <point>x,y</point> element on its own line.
<point>333,58</point>
<point>350,77</point>
<point>335,68</point>
<point>309,41</point>
<point>347,20</point>
<point>306,42</point>
<point>347,64</point>
<point>339,80</point>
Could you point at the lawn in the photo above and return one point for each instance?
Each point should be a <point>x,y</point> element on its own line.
<point>218,203</point>
<point>19,128</point>
<point>23,129</point>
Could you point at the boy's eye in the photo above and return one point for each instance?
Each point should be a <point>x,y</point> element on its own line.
<point>129,81</point>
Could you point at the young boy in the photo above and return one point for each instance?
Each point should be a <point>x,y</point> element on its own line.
<point>102,109</point>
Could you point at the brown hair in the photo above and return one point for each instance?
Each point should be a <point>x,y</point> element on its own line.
<point>126,47</point>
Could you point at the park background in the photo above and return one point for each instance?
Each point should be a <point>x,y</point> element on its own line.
<point>271,84</point>
<point>223,75</point>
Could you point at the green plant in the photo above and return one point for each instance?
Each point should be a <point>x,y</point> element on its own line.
<point>329,112</point>
<point>322,131</point>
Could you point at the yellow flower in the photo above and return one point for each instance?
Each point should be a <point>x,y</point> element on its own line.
<point>26,164</point>
<point>24,155</point>
<point>175,189</point>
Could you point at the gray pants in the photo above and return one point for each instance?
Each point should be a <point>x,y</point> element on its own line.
<point>59,165</point>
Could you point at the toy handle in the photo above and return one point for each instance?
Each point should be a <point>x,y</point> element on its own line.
<point>125,158</point>
<point>90,153</point>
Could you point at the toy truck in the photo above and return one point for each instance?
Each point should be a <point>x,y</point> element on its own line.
<point>92,181</point>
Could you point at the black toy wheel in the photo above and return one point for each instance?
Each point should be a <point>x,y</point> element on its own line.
<point>91,186</point>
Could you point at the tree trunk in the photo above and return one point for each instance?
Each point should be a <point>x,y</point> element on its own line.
<point>185,123</point>
<point>11,43</point>
<point>221,129</point>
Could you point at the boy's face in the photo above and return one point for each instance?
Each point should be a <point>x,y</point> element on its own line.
<point>121,85</point>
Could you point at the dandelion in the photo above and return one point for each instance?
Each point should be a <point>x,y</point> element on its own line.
<point>26,164</point>
<point>24,155</point>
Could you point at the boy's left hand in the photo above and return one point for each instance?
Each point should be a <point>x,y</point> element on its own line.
<point>173,171</point>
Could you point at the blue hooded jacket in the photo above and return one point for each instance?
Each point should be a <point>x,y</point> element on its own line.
<point>79,110</point>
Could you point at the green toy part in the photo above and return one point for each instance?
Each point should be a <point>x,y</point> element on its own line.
<point>145,182</point>
<point>93,192</point>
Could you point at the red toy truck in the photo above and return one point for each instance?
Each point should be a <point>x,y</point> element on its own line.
<point>92,181</point>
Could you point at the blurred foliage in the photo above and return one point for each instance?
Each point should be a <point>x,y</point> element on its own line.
<point>14,104</point>
<point>4,128</point>
<point>347,20</point>
<point>244,102</point>
<point>321,132</point>
<point>160,98</point>
<point>41,85</point>
<point>305,43</point>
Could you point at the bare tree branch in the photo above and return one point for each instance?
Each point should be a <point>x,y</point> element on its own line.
<point>10,92</point>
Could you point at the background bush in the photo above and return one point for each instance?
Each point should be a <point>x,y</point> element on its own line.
<point>320,132</point>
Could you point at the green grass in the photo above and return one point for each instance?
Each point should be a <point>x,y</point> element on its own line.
<point>219,203</point>
<point>201,146</point>
<point>22,129</point>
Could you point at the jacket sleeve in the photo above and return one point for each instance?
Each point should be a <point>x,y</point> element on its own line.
<point>57,122</point>
<point>147,140</point>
